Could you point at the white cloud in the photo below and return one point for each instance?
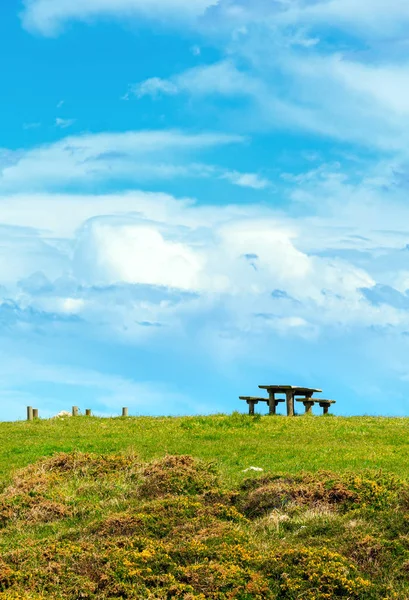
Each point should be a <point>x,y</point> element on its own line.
<point>154,87</point>
<point>326,94</point>
<point>109,253</point>
<point>220,78</point>
<point>370,17</point>
<point>151,271</point>
<point>48,16</point>
<point>109,156</point>
<point>73,305</point>
<point>373,18</point>
<point>229,256</point>
<point>64,123</point>
<point>250,180</point>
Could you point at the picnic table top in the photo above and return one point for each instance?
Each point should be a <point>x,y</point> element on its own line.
<point>285,388</point>
<point>257,398</point>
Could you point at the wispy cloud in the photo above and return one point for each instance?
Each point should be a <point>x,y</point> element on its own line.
<point>153,87</point>
<point>220,78</point>
<point>28,126</point>
<point>373,18</point>
<point>49,16</point>
<point>251,180</point>
<point>338,97</point>
<point>64,123</point>
<point>127,156</point>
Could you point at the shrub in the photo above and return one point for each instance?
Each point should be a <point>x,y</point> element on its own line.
<point>92,527</point>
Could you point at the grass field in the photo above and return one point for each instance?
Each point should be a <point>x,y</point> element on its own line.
<point>234,442</point>
<point>161,509</point>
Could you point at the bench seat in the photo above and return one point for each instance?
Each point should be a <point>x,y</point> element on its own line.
<point>309,403</point>
<point>325,405</point>
<point>252,400</point>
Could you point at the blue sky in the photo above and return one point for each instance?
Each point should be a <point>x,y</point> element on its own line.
<point>197,198</point>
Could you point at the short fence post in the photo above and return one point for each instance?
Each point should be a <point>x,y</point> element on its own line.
<point>29,413</point>
<point>88,412</point>
<point>75,411</point>
<point>124,412</point>
<point>35,413</point>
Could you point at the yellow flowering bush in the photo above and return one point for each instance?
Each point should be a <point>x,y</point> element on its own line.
<point>81,526</point>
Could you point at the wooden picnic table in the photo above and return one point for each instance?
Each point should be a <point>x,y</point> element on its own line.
<point>290,392</point>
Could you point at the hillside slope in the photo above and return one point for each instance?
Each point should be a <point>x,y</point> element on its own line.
<point>165,508</point>
<point>78,525</point>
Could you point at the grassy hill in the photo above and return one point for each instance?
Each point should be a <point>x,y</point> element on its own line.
<point>162,508</point>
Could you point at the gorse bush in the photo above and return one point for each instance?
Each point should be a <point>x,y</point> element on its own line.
<point>83,526</point>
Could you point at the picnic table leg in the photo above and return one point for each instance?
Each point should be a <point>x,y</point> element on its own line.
<point>272,405</point>
<point>308,407</point>
<point>325,410</point>
<point>290,403</point>
<point>251,407</point>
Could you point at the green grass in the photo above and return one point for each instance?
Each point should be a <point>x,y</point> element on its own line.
<point>235,442</point>
<point>102,509</point>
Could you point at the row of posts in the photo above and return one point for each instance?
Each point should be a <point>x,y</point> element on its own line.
<point>32,413</point>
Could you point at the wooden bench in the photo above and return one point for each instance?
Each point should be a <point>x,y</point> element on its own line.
<point>253,400</point>
<point>325,404</point>
<point>309,403</point>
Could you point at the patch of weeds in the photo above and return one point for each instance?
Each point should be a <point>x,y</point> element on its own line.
<point>177,475</point>
<point>316,574</point>
<point>345,492</point>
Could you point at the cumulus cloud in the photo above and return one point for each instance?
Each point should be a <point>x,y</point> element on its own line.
<point>231,257</point>
<point>108,252</point>
<point>154,271</point>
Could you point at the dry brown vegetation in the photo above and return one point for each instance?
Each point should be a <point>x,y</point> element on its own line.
<point>79,525</point>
